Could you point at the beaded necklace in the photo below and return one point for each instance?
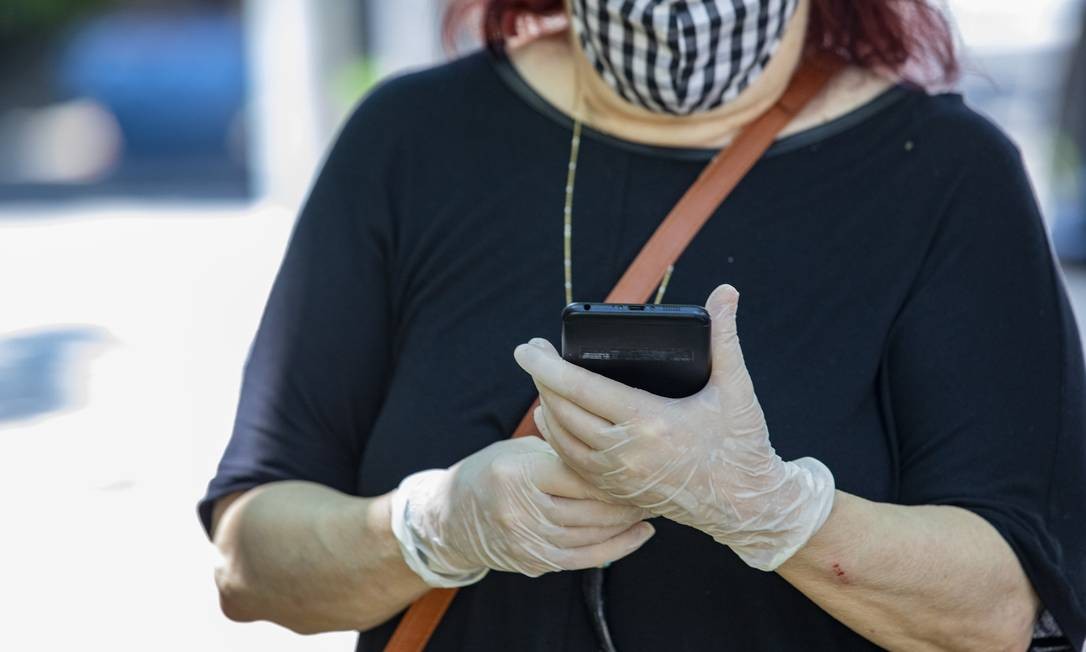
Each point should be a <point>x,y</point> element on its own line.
<point>567,220</point>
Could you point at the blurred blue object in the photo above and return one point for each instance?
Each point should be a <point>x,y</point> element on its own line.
<point>35,370</point>
<point>174,81</point>
<point>1069,230</point>
<point>1069,225</point>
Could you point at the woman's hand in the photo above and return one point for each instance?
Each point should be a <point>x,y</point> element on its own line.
<point>704,461</point>
<point>513,506</point>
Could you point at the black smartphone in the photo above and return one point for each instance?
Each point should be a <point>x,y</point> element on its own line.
<point>662,349</point>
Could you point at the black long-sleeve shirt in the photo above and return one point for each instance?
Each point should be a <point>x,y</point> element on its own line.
<point>902,320</point>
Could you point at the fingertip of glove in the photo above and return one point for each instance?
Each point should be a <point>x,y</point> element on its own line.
<point>523,354</point>
<point>724,297</point>
<point>642,532</point>
<point>531,350</point>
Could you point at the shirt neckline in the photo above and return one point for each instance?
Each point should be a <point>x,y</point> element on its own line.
<point>516,83</point>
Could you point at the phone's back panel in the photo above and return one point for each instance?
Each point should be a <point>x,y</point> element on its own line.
<point>662,349</point>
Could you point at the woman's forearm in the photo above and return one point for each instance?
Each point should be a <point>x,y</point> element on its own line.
<point>311,559</point>
<point>924,577</point>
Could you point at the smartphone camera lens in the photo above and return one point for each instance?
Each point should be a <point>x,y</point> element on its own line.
<point>588,306</point>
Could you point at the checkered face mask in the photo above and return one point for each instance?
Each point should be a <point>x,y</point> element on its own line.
<point>680,56</point>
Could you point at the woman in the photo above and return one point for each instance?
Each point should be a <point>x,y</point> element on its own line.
<point>915,363</point>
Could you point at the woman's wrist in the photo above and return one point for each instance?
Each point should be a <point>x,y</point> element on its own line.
<point>799,506</point>
<point>414,512</point>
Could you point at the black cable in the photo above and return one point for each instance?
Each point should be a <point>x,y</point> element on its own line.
<point>592,583</point>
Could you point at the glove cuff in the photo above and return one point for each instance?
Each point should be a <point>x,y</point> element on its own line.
<point>413,546</point>
<point>814,491</point>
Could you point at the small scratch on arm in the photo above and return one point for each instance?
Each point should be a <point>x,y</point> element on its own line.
<point>840,574</point>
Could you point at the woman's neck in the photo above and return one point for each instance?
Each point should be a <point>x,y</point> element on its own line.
<point>557,69</point>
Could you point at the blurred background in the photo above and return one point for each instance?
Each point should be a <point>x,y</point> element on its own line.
<point>153,155</point>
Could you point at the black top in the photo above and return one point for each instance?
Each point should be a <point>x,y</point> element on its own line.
<point>902,320</point>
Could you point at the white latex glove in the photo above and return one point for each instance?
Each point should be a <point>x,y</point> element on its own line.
<point>704,460</point>
<point>513,506</point>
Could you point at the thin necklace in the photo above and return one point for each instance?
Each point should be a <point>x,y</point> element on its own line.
<point>567,219</point>
<point>567,210</point>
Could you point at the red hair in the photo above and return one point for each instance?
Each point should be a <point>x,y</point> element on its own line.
<point>910,39</point>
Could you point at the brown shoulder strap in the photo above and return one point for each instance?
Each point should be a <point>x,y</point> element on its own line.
<point>645,273</point>
<point>715,182</point>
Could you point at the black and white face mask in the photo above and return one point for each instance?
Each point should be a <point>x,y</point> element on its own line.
<point>680,56</point>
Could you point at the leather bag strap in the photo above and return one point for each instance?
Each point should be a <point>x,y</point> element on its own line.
<point>647,270</point>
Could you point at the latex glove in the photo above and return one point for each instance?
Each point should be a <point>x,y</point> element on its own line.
<point>705,460</point>
<point>513,506</point>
